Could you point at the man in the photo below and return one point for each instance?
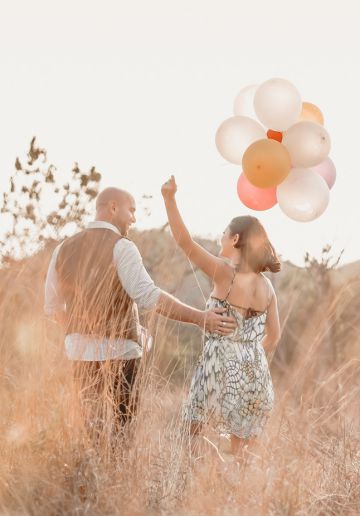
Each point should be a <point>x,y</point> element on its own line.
<point>95,283</point>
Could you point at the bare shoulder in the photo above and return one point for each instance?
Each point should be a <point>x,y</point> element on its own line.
<point>225,266</point>
<point>270,285</point>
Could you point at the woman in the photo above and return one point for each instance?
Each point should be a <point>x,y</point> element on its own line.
<point>232,388</point>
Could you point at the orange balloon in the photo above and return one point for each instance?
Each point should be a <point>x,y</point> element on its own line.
<point>312,113</point>
<point>266,163</point>
<point>274,135</point>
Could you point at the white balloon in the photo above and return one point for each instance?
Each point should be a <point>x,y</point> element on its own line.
<point>303,195</point>
<point>308,144</point>
<point>244,102</point>
<point>235,135</point>
<point>277,104</point>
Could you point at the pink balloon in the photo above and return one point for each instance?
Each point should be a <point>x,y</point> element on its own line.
<point>255,198</point>
<point>327,170</point>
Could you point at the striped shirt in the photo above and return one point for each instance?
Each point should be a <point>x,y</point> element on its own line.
<point>136,282</point>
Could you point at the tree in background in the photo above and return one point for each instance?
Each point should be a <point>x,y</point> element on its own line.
<point>319,269</point>
<point>40,207</point>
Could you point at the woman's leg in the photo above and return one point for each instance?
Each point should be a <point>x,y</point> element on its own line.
<point>196,440</point>
<point>195,428</point>
<point>239,445</point>
<point>201,445</point>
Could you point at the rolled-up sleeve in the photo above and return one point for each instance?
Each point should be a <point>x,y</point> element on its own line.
<point>133,275</point>
<point>53,299</point>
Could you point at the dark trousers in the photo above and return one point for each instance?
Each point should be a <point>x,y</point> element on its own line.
<point>108,392</point>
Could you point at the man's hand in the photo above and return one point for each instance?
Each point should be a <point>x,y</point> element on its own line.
<point>169,189</point>
<point>216,322</point>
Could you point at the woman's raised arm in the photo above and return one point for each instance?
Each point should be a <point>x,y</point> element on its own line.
<point>214,267</point>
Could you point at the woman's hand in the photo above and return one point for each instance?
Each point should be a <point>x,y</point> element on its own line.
<point>216,268</point>
<point>169,189</point>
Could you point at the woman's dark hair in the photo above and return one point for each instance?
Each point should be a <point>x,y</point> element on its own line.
<point>256,249</point>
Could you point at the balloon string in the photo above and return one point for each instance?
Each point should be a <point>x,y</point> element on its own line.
<point>197,281</point>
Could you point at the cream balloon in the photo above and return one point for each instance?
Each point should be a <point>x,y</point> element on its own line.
<point>277,104</point>
<point>308,144</point>
<point>235,135</point>
<point>244,102</point>
<point>304,195</point>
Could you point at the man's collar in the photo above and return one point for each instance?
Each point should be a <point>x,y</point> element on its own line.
<point>102,224</point>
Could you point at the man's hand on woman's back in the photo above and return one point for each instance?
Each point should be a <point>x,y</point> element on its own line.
<point>213,321</point>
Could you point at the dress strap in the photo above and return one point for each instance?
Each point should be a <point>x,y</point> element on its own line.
<point>231,285</point>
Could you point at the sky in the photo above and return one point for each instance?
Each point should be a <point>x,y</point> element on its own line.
<point>139,88</point>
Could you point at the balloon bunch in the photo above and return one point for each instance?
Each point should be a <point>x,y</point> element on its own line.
<point>283,148</point>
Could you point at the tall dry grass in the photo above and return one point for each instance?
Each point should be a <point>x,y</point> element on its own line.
<point>306,462</point>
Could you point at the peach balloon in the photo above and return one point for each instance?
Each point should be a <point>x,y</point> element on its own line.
<point>312,113</point>
<point>274,135</point>
<point>266,163</point>
<point>258,199</point>
<point>327,170</point>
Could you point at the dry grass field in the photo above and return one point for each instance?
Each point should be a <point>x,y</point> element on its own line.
<point>306,462</point>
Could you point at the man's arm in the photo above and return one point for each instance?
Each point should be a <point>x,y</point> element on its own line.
<point>54,304</point>
<point>141,288</point>
<point>211,320</point>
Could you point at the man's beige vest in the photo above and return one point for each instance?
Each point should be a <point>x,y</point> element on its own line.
<point>96,302</point>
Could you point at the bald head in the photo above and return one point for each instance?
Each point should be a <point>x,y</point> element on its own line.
<point>117,207</point>
<point>109,195</point>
